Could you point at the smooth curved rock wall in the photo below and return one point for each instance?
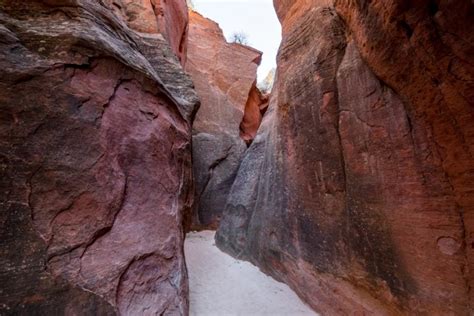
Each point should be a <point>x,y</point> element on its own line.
<point>356,190</point>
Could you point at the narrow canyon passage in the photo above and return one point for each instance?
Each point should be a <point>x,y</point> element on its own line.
<point>221,285</point>
<point>348,175</point>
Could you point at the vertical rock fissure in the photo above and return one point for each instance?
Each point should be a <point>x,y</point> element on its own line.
<point>225,78</point>
<point>339,137</point>
<point>253,115</point>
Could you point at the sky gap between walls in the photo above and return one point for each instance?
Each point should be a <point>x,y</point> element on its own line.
<point>256,18</point>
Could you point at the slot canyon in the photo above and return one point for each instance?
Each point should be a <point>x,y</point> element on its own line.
<point>128,124</point>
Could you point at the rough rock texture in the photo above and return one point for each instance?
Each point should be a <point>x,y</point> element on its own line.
<point>95,164</point>
<point>255,108</point>
<point>358,189</point>
<point>224,75</point>
<point>431,65</point>
<point>169,18</point>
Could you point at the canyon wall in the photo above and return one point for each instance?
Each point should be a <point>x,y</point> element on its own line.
<point>358,188</point>
<point>224,75</point>
<point>95,163</point>
<point>169,18</point>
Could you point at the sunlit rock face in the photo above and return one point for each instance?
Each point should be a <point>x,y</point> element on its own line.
<point>95,164</point>
<point>255,108</point>
<point>224,75</point>
<point>169,18</point>
<point>357,190</point>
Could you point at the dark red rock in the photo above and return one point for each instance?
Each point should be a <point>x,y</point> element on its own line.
<point>431,65</point>
<point>224,75</point>
<point>95,164</point>
<point>357,190</point>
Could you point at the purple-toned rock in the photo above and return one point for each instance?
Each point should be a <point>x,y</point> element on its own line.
<point>95,164</point>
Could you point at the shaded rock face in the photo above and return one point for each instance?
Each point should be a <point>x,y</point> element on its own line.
<point>224,75</point>
<point>95,164</point>
<point>431,65</point>
<point>169,18</point>
<point>357,190</point>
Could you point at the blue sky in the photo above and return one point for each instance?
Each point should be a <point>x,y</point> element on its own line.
<point>256,18</point>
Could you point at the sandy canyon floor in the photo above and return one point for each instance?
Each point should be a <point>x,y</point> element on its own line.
<point>223,286</point>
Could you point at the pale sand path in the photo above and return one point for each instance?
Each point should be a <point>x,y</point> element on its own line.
<point>223,286</point>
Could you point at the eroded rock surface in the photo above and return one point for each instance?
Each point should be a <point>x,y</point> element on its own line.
<point>357,190</point>
<point>224,75</point>
<point>431,65</point>
<point>169,18</point>
<point>95,164</point>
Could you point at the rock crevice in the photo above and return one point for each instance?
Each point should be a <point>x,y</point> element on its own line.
<point>224,74</point>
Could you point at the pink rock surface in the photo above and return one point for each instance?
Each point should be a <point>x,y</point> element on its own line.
<point>96,161</point>
<point>224,75</point>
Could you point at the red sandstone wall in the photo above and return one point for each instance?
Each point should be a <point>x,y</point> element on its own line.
<point>357,189</point>
<point>224,75</point>
<point>95,164</point>
<point>169,18</point>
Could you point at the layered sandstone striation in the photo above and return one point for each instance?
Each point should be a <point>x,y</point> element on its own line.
<point>358,188</point>
<point>224,75</point>
<point>95,164</point>
<point>169,18</point>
